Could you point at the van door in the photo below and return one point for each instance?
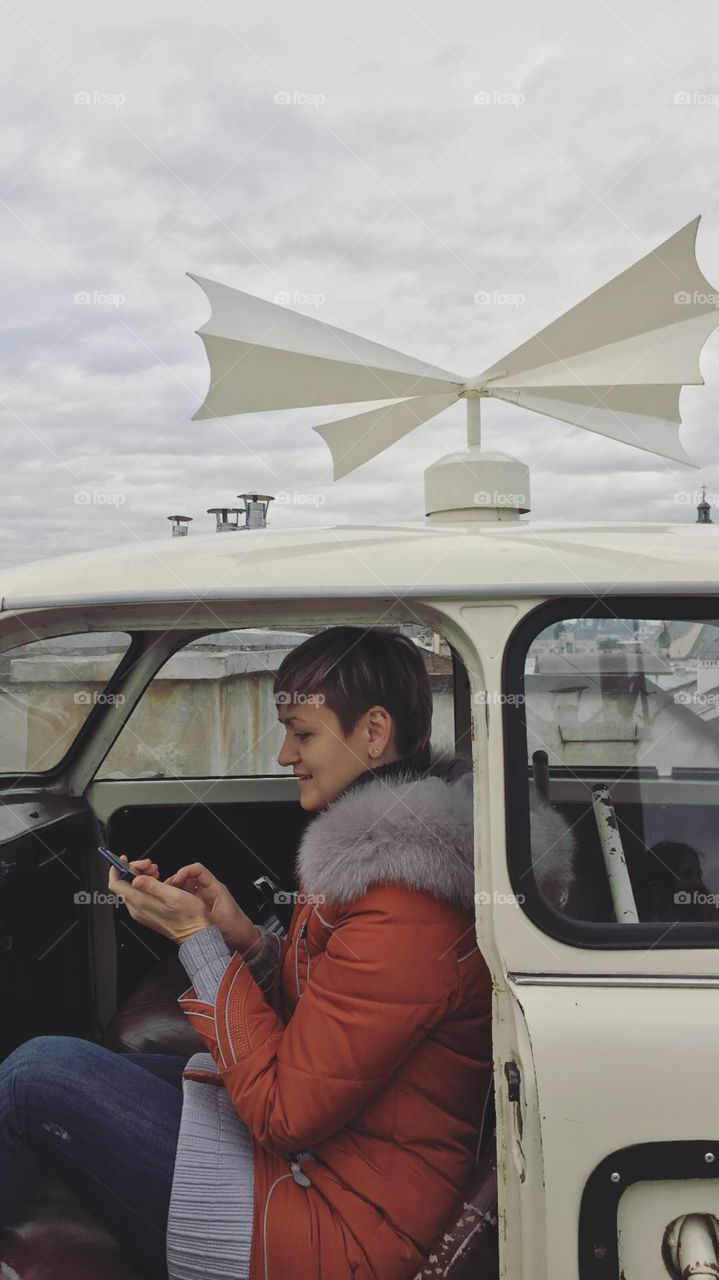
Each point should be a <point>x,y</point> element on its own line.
<point>51,940</point>
<point>599,915</point>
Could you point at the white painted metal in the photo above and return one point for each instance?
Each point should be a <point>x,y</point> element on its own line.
<point>646,1208</point>
<point>620,886</point>
<point>511,562</point>
<point>107,797</point>
<point>601,1037</point>
<point>266,356</point>
<point>474,419</point>
<point>608,1070</point>
<point>613,364</point>
<point>693,1246</point>
<point>360,435</point>
<point>475,483</point>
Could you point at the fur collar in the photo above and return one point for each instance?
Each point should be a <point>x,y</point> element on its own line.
<point>395,828</point>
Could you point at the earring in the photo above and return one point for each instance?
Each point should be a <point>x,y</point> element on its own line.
<point>373,751</point>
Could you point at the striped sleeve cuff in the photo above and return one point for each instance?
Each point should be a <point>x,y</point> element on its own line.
<point>205,956</point>
<point>262,962</point>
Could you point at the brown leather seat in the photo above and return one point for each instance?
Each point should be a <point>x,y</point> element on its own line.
<point>151,1020</point>
<point>59,1240</point>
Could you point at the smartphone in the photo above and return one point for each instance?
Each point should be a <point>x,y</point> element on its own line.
<point>122,867</point>
<point>270,914</point>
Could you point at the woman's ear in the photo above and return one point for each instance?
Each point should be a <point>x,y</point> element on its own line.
<point>380,733</point>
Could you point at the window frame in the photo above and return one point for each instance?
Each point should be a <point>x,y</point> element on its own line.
<point>190,637</point>
<point>659,935</point>
<point>10,781</point>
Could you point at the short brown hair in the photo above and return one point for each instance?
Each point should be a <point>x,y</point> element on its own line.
<point>356,668</point>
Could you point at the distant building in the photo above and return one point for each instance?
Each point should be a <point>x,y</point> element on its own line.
<point>620,710</point>
<point>704,509</point>
<point>694,644</point>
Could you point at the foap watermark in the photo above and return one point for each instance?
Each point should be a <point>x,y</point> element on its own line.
<point>497,498</point>
<point>687,497</point>
<point>498,98</point>
<point>696,98</point>
<point>492,698</point>
<point>692,698</point>
<point>98,498</point>
<point>499,299</point>
<point>300,499</point>
<point>289,897</point>
<point>695,297</point>
<point>83,898</point>
<point>683,898</point>
<point>297,299</point>
<point>497,899</point>
<point>90,698</point>
<point>285,698</point>
<point>97,98</point>
<point>94,298</point>
<point>298,98</point>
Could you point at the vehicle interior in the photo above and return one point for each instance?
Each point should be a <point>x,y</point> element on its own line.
<point>140,741</point>
<point>620,743</point>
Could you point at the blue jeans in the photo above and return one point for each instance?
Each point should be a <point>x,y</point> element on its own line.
<point>105,1123</point>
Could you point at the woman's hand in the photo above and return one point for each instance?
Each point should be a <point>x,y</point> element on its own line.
<point>169,911</point>
<point>237,929</point>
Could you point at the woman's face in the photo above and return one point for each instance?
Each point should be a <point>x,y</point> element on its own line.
<point>324,760</point>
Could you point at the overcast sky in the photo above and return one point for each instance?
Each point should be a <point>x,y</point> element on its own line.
<point>142,141</point>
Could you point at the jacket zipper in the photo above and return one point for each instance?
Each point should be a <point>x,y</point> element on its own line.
<point>293,1157</point>
<point>298,1173</point>
<point>300,936</point>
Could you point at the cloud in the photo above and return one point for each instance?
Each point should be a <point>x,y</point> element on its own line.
<point>382,185</point>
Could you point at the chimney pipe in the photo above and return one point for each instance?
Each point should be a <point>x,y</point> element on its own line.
<point>255,508</point>
<point>223,515</point>
<point>180,525</point>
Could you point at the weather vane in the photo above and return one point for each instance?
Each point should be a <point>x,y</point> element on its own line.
<point>613,364</point>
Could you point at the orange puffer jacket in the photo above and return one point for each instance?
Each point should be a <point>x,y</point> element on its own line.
<point>363,1074</point>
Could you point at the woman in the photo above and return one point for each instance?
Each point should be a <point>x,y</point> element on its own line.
<point>354,1053</point>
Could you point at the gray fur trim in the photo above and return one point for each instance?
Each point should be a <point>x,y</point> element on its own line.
<point>413,833</point>
<point>553,852</point>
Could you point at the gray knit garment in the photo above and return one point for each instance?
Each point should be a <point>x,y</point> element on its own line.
<point>209,1226</point>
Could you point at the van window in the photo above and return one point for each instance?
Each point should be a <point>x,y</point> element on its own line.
<point>210,710</point>
<point>47,690</point>
<point>613,745</point>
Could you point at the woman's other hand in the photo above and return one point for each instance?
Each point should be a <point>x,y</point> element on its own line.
<point>143,867</point>
<point>237,929</point>
<point>168,911</point>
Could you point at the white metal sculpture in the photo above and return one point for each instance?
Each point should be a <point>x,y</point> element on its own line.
<point>614,364</point>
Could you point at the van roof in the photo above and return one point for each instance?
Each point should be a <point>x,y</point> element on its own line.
<point>489,559</point>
